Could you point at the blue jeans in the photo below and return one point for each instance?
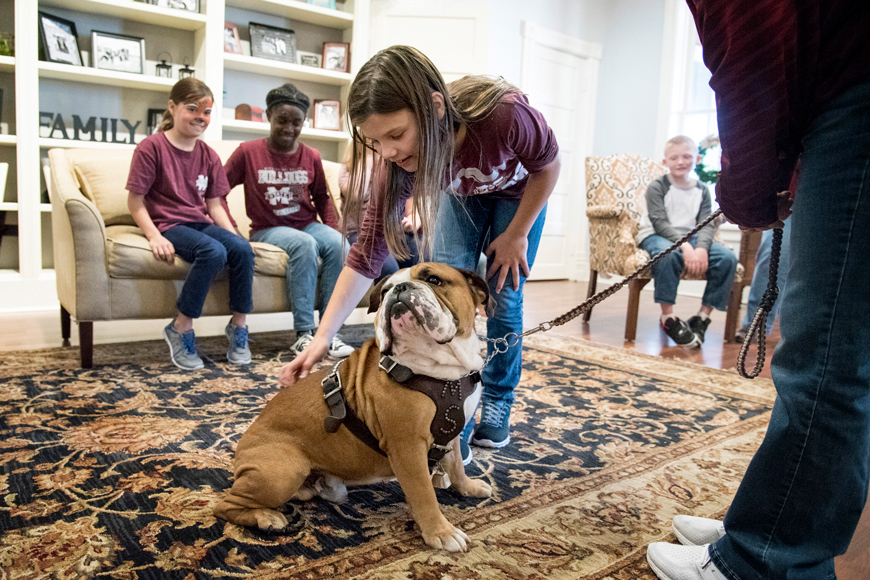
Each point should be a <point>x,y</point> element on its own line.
<point>462,227</point>
<point>209,248</point>
<point>304,247</point>
<point>761,275</point>
<point>799,502</point>
<point>721,265</point>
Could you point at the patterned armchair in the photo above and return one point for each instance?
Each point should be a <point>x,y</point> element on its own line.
<point>615,201</point>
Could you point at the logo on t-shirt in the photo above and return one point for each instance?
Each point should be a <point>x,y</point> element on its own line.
<point>275,196</point>
<point>498,179</point>
<point>202,183</point>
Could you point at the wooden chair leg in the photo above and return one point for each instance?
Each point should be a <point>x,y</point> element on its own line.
<point>65,326</point>
<point>733,313</point>
<point>634,288</point>
<point>593,284</point>
<point>86,344</point>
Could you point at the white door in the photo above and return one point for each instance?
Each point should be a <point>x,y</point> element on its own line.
<point>454,35</point>
<point>560,75</point>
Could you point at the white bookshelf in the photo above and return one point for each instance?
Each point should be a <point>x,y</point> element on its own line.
<point>280,69</point>
<point>86,74</point>
<point>260,129</point>
<point>31,285</point>
<point>135,11</point>
<point>296,10</point>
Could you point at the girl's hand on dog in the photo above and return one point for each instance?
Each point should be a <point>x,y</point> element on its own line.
<point>301,366</point>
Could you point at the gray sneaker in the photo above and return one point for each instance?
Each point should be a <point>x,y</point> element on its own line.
<point>302,342</point>
<point>182,348</point>
<point>338,348</point>
<point>238,352</point>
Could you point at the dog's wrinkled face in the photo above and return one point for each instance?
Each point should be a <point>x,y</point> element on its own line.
<point>428,304</point>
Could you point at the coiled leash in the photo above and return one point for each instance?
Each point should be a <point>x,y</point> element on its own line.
<point>511,339</point>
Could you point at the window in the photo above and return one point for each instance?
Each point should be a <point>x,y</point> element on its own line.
<point>693,104</point>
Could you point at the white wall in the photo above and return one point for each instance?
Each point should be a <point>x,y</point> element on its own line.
<point>629,78</point>
<point>584,19</point>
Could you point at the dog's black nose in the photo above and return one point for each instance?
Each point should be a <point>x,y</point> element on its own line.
<point>402,286</point>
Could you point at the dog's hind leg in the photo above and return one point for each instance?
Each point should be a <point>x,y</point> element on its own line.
<point>266,478</point>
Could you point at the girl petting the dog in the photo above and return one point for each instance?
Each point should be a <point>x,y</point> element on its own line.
<point>497,162</point>
<point>175,186</point>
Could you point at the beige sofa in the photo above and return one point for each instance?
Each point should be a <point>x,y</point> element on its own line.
<point>104,266</point>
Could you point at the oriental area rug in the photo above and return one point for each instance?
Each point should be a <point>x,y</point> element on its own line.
<point>112,472</point>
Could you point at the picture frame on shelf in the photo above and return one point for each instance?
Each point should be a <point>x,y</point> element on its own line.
<point>118,52</point>
<point>327,114</point>
<point>308,58</point>
<point>189,5</point>
<point>155,118</point>
<point>336,56</point>
<point>59,40</point>
<point>323,3</point>
<point>272,43</point>
<point>232,42</point>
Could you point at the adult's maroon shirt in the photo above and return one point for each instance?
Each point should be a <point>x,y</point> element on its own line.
<point>775,65</point>
<point>496,157</point>
<point>174,182</point>
<point>281,189</point>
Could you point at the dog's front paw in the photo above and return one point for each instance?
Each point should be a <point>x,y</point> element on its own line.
<point>452,539</point>
<point>474,488</point>
<point>270,520</point>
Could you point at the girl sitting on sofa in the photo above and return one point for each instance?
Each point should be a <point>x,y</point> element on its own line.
<point>175,186</point>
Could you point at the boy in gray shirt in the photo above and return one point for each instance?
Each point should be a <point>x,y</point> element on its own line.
<point>676,204</point>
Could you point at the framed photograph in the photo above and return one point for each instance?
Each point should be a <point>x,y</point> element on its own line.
<point>59,40</point>
<point>336,56</point>
<point>308,58</point>
<point>155,118</point>
<point>232,42</point>
<point>118,52</point>
<point>189,5</point>
<point>327,115</point>
<point>272,43</point>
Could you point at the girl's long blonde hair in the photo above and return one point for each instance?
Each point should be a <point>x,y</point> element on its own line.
<point>398,78</point>
<point>187,90</point>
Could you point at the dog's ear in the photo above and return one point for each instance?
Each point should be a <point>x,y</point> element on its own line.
<point>480,290</point>
<point>375,295</point>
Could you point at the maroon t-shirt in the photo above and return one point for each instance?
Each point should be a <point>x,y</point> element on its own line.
<point>175,183</point>
<point>495,158</point>
<point>281,189</point>
<point>775,66</point>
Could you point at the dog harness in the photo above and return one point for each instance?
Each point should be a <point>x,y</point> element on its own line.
<point>448,396</point>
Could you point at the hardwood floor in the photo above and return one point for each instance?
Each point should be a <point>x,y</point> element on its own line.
<point>544,301</point>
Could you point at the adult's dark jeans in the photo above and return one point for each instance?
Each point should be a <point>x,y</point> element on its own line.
<point>800,500</point>
<point>209,248</point>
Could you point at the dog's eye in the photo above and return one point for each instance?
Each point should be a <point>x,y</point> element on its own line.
<point>434,280</point>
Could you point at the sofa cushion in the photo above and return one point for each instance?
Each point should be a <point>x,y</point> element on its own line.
<point>103,177</point>
<point>129,256</point>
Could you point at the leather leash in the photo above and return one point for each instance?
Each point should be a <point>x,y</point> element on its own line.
<point>501,345</point>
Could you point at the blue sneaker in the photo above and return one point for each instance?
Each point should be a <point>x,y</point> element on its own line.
<point>238,352</point>
<point>182,348</point>
<point>464,447</point>
<point>494,429</point>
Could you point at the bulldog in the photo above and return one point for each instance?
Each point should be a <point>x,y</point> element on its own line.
<point>309,435</point>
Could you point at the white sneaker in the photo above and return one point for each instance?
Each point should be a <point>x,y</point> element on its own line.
<point>302,342</point>
<point>675,562</point>
<point>695,531</point>
<point>338,348</point>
